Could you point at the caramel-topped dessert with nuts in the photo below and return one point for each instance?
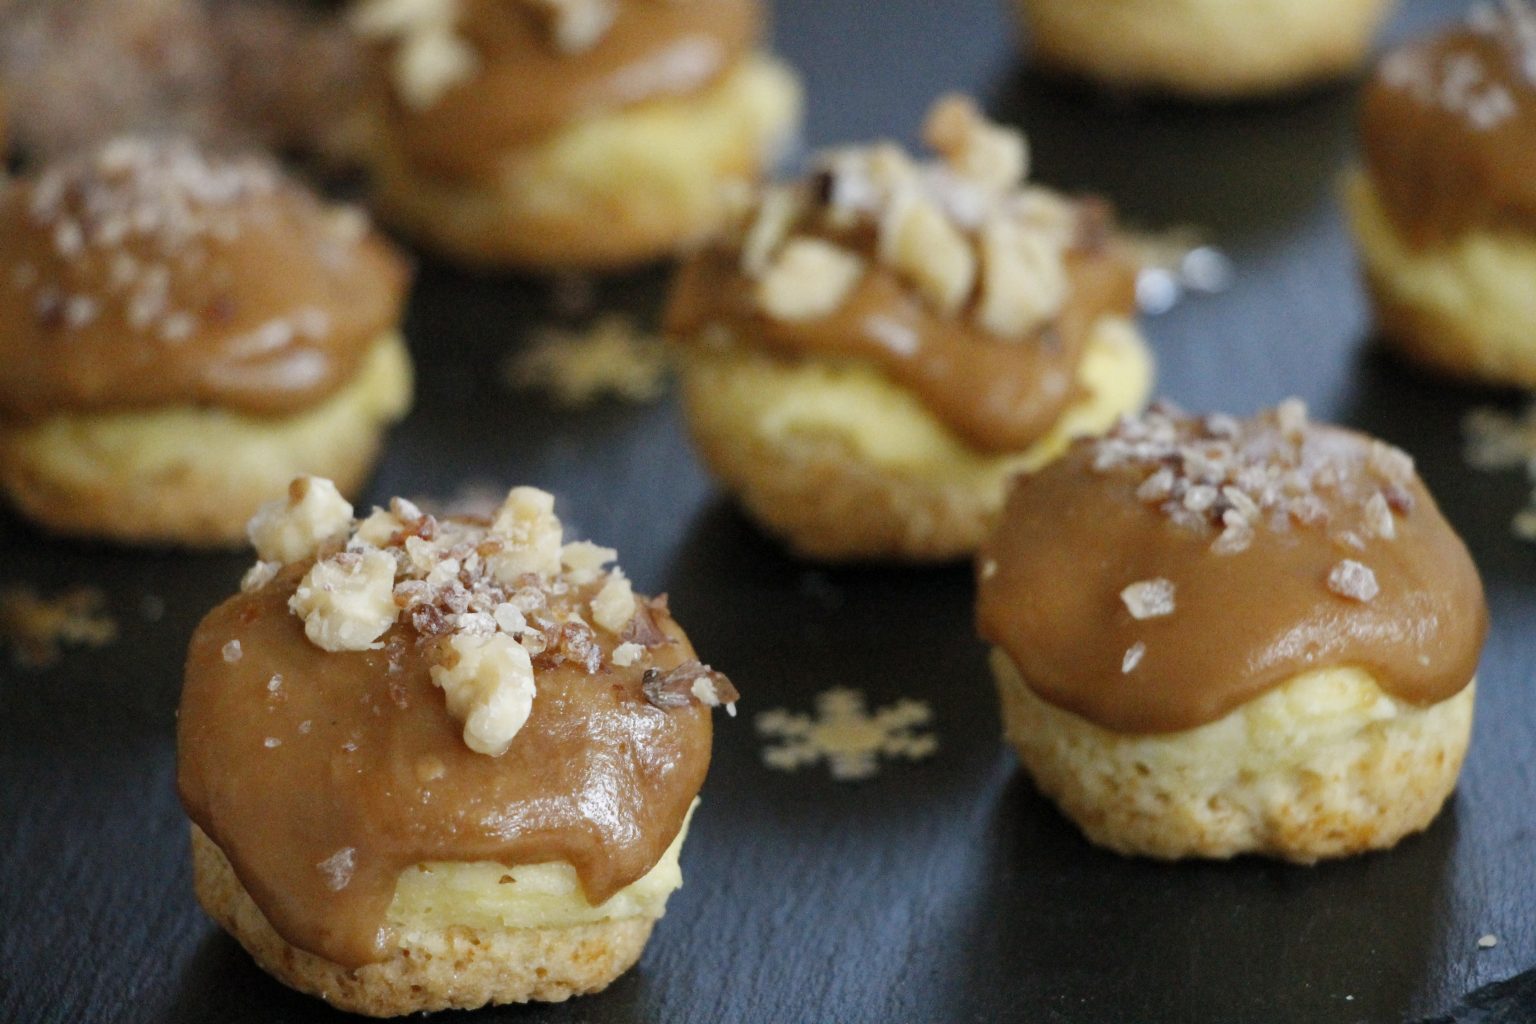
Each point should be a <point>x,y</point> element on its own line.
<point>946,302</point>
<point>549,133</point>
<point>176,328</point>
<point>1218,636</point>
<point>409,737</point>
<point>1444,206</point>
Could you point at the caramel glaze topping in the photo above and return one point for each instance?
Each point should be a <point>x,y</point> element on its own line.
<point>148,275</point>
<point>526,85</point>
<point>1159,578</point>
<point>999,396</point>
<point>1449,126</point>
<point>323,775</point>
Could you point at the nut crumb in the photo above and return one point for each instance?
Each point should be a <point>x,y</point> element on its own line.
<point>689,683</point>
<point>1149,599</point>
<point>1350,579</point>
<point>1487,941</point>
<point>338,868</point>
<point>1133,656</point>
<point>231,652</point>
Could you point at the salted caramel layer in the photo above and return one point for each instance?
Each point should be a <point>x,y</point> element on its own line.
<point>1073,538</point>
<point>526,87</point>
<point>1448,129</point>
<point>999,395</point>
<point>148,276</point>
<point>323,775</point>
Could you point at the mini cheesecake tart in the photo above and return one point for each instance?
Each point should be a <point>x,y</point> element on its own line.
<point>1444,208</point>
<point>1217,636</point>
<point>1204,49</point>
<point>439,763</point>
<point>568,134</point>
<point>180,335</point>
<point>875,349</point>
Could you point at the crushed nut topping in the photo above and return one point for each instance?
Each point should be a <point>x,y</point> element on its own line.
<point>1352,580</point>
<point>36,627</point>
<point>1273,473</point>
<point>1460,82</point>
<point>689,683</point>
<point>1149,599</point>
<point>964,231</point>
<point>430,57</point>
<point>490,600</point>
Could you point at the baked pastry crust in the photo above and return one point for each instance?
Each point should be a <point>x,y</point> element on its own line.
<point>1204,49</point>
<point>1325,765</point>
<point>453,968</point>
<point>616,189</point>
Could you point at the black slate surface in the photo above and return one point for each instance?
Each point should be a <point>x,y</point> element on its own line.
<point>940,891</point>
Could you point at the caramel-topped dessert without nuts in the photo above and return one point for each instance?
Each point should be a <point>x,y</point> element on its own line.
<point>996,311</point>
<point>1444,205</point>
<point>602,127</point>
<point>403,694</point>
<point>180,334</point>
<point>1182,574</point>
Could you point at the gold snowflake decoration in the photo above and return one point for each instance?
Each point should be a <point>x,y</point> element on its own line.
<point>846,736</point>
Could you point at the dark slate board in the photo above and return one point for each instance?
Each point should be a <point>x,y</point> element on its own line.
<point>940,891</point>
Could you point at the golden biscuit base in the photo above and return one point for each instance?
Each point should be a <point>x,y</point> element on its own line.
<point>1204,49</point>
<point>455,968</point>
<point>193,477</point>
<point>1217,792</point>
<point>612,191</point>
<point>826,499</point>
<point>1465,308</point>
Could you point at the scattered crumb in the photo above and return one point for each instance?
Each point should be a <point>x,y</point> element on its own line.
<point>1149,599</point>
<point>1175,263</point>
<point>846,736</point>
<point>613,357</point>
<point>1354,581</point>
<point>1488,941</point>
<point>36,627</point>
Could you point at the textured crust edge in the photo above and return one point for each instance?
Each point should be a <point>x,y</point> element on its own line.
<point>456,968</point>
<point>1160,50</point>
<point>1394,787</point>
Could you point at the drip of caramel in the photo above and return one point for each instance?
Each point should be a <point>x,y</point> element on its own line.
<point>526,88</point>
<point>1073,537</point>
<point>1449,129</point>
<point>998,395</point>
<point>322,776</point>
<point>265,303</point>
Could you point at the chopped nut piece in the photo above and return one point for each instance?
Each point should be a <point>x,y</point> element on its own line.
<point>1133,656</point>
<point>1024,282</point>
<point>614,605</point>
<point>1352,580</point>
<point>1291,416</point>
<point>338,868</point>
<point>347,602</point>
<point>293,529</point>
<point>578,25</point>
<point>921,244</point>
<point>627,653</point>
<point>688,683</point>
<point>533,535</point>
<point>809,279</point>
<point>991,155</point>
<point>430,57</point>
<point>775,215</point>
<point>583,560</point>
<point>1378,517</point>
<point>231,651</point>
<point>258,576</point>
<point>1149,599</point>
<point>1487,941</point>
<point>489,687</point>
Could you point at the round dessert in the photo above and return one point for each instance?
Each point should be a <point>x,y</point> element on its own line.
<point>569,134</point>
<point>879,347</point>
<point>1217,637</point>
<point>439,763</point>
<point>181,334</point>
<point>1444,210</point>
<point>1204,49</point>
